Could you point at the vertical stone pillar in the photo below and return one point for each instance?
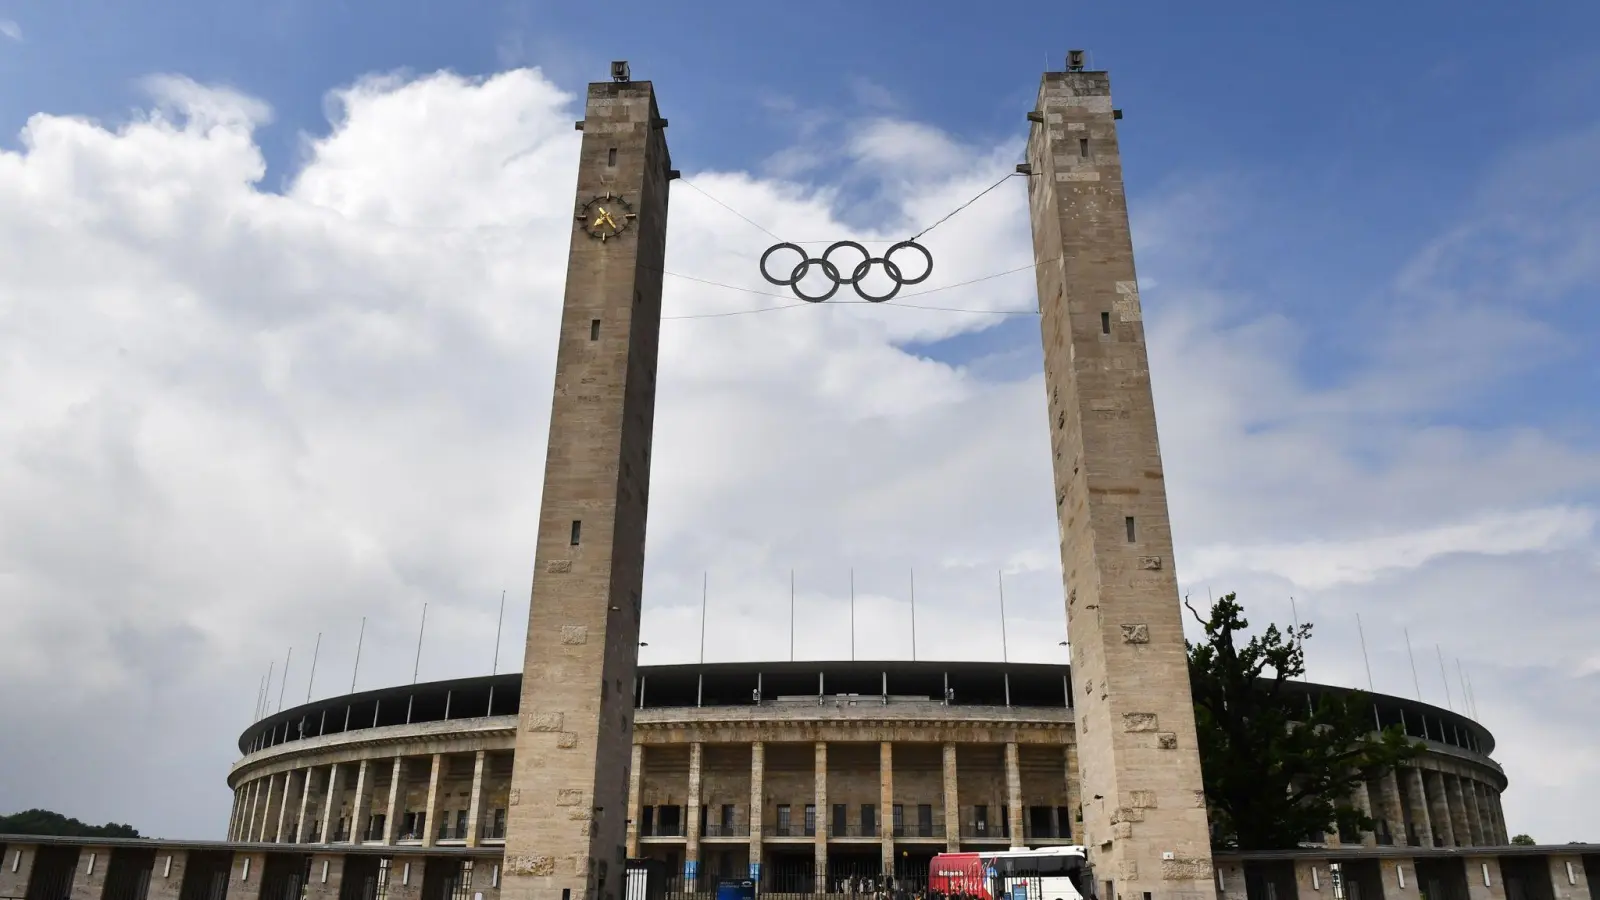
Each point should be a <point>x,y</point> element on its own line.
<point>1014,795</point>
<point>245,881</point>
<point>255,812</point>
<point>1439,807</point>
<point>330,801</point>
<point>266,809</point>
<point>1460,825</point>
<point>325,888</point>
<point>566,836</point>
<point>475,801</point>
<point>952,802</point>
<point>1417,805</point>
<point>1311,879</point>
<point>290,800</point>
<point>1390,802</point>
<point>430,819</point>
<point>391,818</point>
<point>1500,820</point>
<point>886,805</point>
<point>758,788</point>
<point>89,879</point>
<point>1578,887</point>
<point>233,814</point>
<point>360,806</point>
<point>820,798</point>
<point>20,858</point>
<point>1363,804</point>
<point>1483,878</point>
<point>1136,710</point>
<point>635,778</point>
<point>1074,794</point>
<point>166,878</point>
<point>1399,879</point>
<point>301,836</point>
<point>691,843</point>
<point>1469,797</point>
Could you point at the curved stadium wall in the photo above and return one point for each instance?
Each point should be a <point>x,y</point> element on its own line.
<point>839,769</point>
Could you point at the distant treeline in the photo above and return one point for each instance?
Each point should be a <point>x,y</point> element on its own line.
<point>43,821</point>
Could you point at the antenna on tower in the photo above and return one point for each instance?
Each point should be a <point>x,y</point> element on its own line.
<point>1448,702</point>
<point>417,666</point>
<point>705,582</point>
<point>1415,682</point>
<point>852,613</point>
<point>1000,581</point>
<point>266,701</point>
<point>1362,632</point>
<point>285,681</point>
<point>494,669</point>
<point>357,670</point>
<point>310,679</point>
<point>913,614</point>
<point>1466,698</point>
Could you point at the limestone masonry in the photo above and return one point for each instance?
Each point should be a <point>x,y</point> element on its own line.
<point>1144,807</point>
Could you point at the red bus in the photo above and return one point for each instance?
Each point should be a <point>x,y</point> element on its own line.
<point>1045,873</point>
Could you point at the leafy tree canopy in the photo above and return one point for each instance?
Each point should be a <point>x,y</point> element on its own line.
<point>1278,768</point>
<point>43,821</point>
<point>1523,840</point>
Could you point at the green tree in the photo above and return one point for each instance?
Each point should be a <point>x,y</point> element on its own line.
<point>1523,840</point>
<point>1276,767</point>
<point>43,821</point>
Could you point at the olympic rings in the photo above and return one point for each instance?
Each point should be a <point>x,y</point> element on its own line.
<point>858,272</point>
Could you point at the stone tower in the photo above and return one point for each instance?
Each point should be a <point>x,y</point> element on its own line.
<point>1144,809</point>
<point>569,789</point>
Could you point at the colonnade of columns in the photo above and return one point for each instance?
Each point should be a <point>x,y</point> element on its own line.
<point>279,808</point>
<point>1430,807</point>
<point>1010,830</point>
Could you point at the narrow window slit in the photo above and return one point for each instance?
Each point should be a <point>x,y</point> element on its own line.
<point>1127,521</point>
<point>577,530</point>
<point>1083,148</point>
<point>594,329</point>
<point>1105,323</point>
<point>611,156</point>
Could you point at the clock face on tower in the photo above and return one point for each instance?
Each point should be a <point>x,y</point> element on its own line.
<point>605,217</point>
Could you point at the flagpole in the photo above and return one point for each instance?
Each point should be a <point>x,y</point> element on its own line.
<point>1362,632</point>
<point>417,666</point>
<point>498,624</point>
<point>313,676</point>
<point>1000,579</point>
<point>357,670</point>
<point>1415,682</point>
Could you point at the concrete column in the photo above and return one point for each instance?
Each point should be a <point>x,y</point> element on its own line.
<point>319,889</point>
<point>391,818</point>
<point>20,857</point>
<point>1399,879</point>
<point>266,809</point>
<point>1389,807</point>
<point>289,801</point>
<point>1311,879</point>
<point>691,842</point>
<point>952,802</point>
<point>1439,807</point>
<point>300,820</point>
<point>335,787</point>
<point>358,809</point>
<point>1014,795</point>
<point>1500,820</point>
<point>635,777</point>
<point>233,814</point>
<point>249,830</point>
<point>244,882</point>
<point>886,804</point>
<point>1469,794</point>
<point>1460,825</point>
<point>820,848</point>
<point>1491,835</point>
<point>758,774</point>
<point>1074,793</point>
<point>1362,801</point>
<point>89,880</point>
<point>166,878</point>
<point>1417,805</point>
<point>475,800</point>
<point>1577,886</point>
<point>1482,869</point>
<point>430,824</point>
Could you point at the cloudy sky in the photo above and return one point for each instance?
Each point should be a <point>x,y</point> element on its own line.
<point>278,285</point>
